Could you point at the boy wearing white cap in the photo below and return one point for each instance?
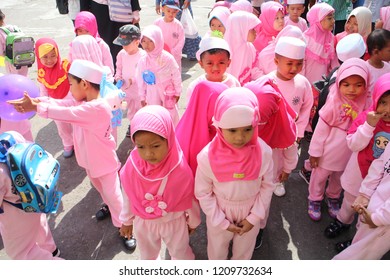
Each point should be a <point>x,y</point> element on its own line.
<point>94,144</point>
<point>295,8</point>
<point>296,89</point>
<point>214,57</point>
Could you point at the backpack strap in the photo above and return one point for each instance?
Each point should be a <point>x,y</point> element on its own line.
<point>17,205</point>
<point>6,30</point>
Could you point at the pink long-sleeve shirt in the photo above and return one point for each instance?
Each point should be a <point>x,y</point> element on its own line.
<point>93,143</point>
<point>299,95</point>
<point>301,24</point>
<point>208,190</point>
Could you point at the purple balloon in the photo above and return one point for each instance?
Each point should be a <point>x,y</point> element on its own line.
<point>12,86</point>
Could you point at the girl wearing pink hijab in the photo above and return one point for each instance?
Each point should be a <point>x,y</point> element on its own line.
<point>328,150</point>
<point>240,33</point>
<point>158,188</point>
<point>272,22</point>
<point>233,181</point>
<point>85,23</point>
<point>218,18</point>
<point>158,75</point>
<point>320,51</point>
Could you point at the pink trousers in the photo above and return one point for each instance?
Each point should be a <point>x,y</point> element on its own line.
<point>26,236</point>
<point>346,213</point>
<point>172,229</point>
<point>317,185</point>
<point>65,131</point>
<point>109,188</point>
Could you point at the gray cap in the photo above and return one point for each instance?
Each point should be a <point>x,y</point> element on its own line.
<point>127,34</point>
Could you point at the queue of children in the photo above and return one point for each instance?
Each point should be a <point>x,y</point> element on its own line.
<point>226,114</point>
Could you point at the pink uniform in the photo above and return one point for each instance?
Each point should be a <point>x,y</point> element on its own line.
<point>165,70</point>
<point>23,127</point>
<point>173,33</point>
<point>126,67</point>
<point>372,243</point>
<point>375,73</point>
<point>93,144</point>
<point>26,236</point>
<point>301,24</point>
<point>159,198</point>
<point>224,197</point>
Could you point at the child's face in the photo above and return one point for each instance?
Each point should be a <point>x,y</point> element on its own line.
<point>151,147</point>
<point>238,137</point>
<point>215,65</point>
<point>251,35</point>
<point>132,48</point>
<point>147,44</point>
<point>352,25</point>
<point>384,107</point>
<point>169,13</point>
<point>49,59</point>
<point>328,22</point>
<point>81,31</point>
<point>384,54</point>
<point>77,89</point>
<point>279,21</point>
<point>287,68</point>
<point>216,24</point>
<point>352,87</point>
<point>295,11</point>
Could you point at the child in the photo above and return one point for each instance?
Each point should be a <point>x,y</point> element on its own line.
<point>218,20</point>
<point>384,20</point>
<point>241,5</point>
<point>328,148</point>
<point>240,34</point>
<point>272,22</point>
<point>172,30</point>
<point>378,46</point>
<point>53,82</point>
<point>295,8</point>
<point>296,89</point>
<point>195,130</point>
<point>214,58</point>
<point>85,23</point>
<point>93,142</point>
<point>158,75</point>
<point>233,181</point>
<point>372,238</point>
<point>367,137</point>
<point>26,236</point>
<point>158,188</point>
<point>320,51</point>
<point>126,64</point>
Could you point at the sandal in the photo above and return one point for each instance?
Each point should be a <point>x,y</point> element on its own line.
<point>335,229</point>
<point>103,213</point>
<point>341,246</point>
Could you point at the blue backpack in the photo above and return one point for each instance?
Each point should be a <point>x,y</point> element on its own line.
<point>34,173</point>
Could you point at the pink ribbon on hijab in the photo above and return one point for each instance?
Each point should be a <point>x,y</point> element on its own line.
<point>338,110</point>
<point>227,162</point>
<point>141,179</point>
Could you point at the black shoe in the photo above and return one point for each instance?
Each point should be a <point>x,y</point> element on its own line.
<point>128,134</point>
<point>259,239</point>
<point>341,246</point>
<point>335,229</point>
<point>56,252</point>
<point>103,213</point>
<point>130,244</point>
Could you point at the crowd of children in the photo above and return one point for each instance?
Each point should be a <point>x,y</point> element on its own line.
<point>238,139</point>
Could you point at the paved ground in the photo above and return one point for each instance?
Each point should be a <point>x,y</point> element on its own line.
<point>290,234</point>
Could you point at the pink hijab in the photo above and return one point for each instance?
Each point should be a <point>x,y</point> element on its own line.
<point>320,43</point>
<point>266,31</point>
<point>195,130</point>
<point>267,55</point>
<point>235,107</point>
<point>220,13</point>
<point>87,21</point>
<point>241,5</point>
<point>371,152</point>
<point>385,17</point>
<point>338,110</point>
<point>154,33</point>
<point>141,180</point>
<point>85,47</point>
<point>242,52</point>
<point>277,119</point>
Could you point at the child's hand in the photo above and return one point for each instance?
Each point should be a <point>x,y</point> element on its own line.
<point>191,230</point>
<point>245,226</point>
<point>373,118</point>
<point>314,161</point>
<point>366,217</point>
<point>177,98</point>
<point>233,228</point>
<point>283,177</point>
<point>158,9</point>
<point>360,201</point>
<point>24,104</point>
<point>186,4</point>
<point>143,103</point>
<point>126,231</point>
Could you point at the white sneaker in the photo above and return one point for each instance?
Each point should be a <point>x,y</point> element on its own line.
<point>279,190</point>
